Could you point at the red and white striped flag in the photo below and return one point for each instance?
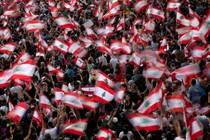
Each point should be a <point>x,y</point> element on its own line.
<point>118,46</point>
<point>186,73</point>
<point>91,33</point>
<point>17,113</point>
<point>173,5</point>
<point>103,93</point>
<point>155,12</point>
<point>69,5</point>
<point>37,117</point>
<point>105,79</point>
<point>140,5</point>
<point>205,26</point>
<point>206,71</point>
<point>89,103</point>
<point>151,102</point>
<point>196,130</point>
<point>150,25</point>
<point>86,41</point>
<point>44,102</point>
<point>112,4</point>
<point>8,48</point>
<point>135,59</point>
<point>88,89</point>
<point>51,69</point>
<point>10,105</point>
<point>64,23</point>
<point>74,47</point>
<point>23,57</point>
<point>5,33</point>
<point>76,127</point>
<point>144,122</point>
<point>11,13</point>
<point>34,25</point>
<point>119,95</point>
<point>24,71</point>
<point>121,24</point>
<point>175,103</point>
<point>72,100</point>
<point>163,46</point>
<point>153,72</point>
<point>58,95</point>
<point>61,46</point>
<point>5,78</point>
<point>105,134</point>
<point>54,11</point>
<point>180,18</point>
<point>113,12</point>
<point>79,62</point>
<point>197,52</point>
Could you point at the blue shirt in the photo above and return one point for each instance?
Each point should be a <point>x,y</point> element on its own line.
<point>196,92</point>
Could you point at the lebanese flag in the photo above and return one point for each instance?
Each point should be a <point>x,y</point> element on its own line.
<point>8,48</point>
<point>186,73</point>
<point>86,42</point>
<point>156,13</point>
<point>23,57</point>
<point>54,11</point>
<point>204,110</point>
<point>34,25</point>
<point>153,72</point>
<point>113,12</point>
<point>97,11</point>
<point>135,59</point>
<point>44,102</point>
<point>74,47</point>
<point>89,103</point>
<point>121,24</point>
<point>107,31</point>
<point>185,39</point>
<point>79,62</point>
<point>69,6</point>
<point>102,47</point>
<point>197,52</point>
<point>72,100</point>
<point>144,122</point>
<point>5,78</point>
<point>118,46</point>
<point>88,89</point>
<point>150,26</point>
<point>140,5</point>
<point>60,74</point>
<point>112,4</point>
<point>103,93</point>
<point>163,46</point>
<point>105,79</point>
<point>180,18</point>
<point>51,3</point>
<point>42,43</point>
<point>61,46</point>
<point>58,95</point>
<point>77,127</point>
<point>37,117</point>
<point>204,29</point>
<point>5,33</point>
<point>206,71</point>
<point>63,23</point>
<point>82,53</point>
<point>183,30</point>
<point>119,95</point>
<point>51,69</point>
<point>17,113</point>
<point>91,33</point>
<point>24,71</point>
<point>151,102</point>
<point>195,129</point>
<point>175,103</point>
<point>105,134</point>
<point>173,5</point>
<point>11,13</point>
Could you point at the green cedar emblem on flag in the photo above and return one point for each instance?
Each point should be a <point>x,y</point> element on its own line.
<point>104,94</point>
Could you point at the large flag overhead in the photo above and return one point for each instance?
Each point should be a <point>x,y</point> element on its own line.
<point>24,71</point>
<point>8,48</point>
<point>61,46</point>
<point>35,25</point>
<point>17,113</point>
<point>103,93</point>
<point>140,5</point>
<point>105,79</point>
<point>144,122</point>
<point>63,23</point>
<point>76,127</point>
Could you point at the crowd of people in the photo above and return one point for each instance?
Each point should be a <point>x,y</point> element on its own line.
<point>104,70</point>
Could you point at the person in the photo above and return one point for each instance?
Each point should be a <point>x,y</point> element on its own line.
<point>126,133</point>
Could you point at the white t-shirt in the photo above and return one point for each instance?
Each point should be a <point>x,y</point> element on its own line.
<point>129,135</point>
<point>52,132</point>
<point>179,138</point>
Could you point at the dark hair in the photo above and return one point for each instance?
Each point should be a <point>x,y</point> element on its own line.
<point>193,82</point>
<point>124,138</point>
